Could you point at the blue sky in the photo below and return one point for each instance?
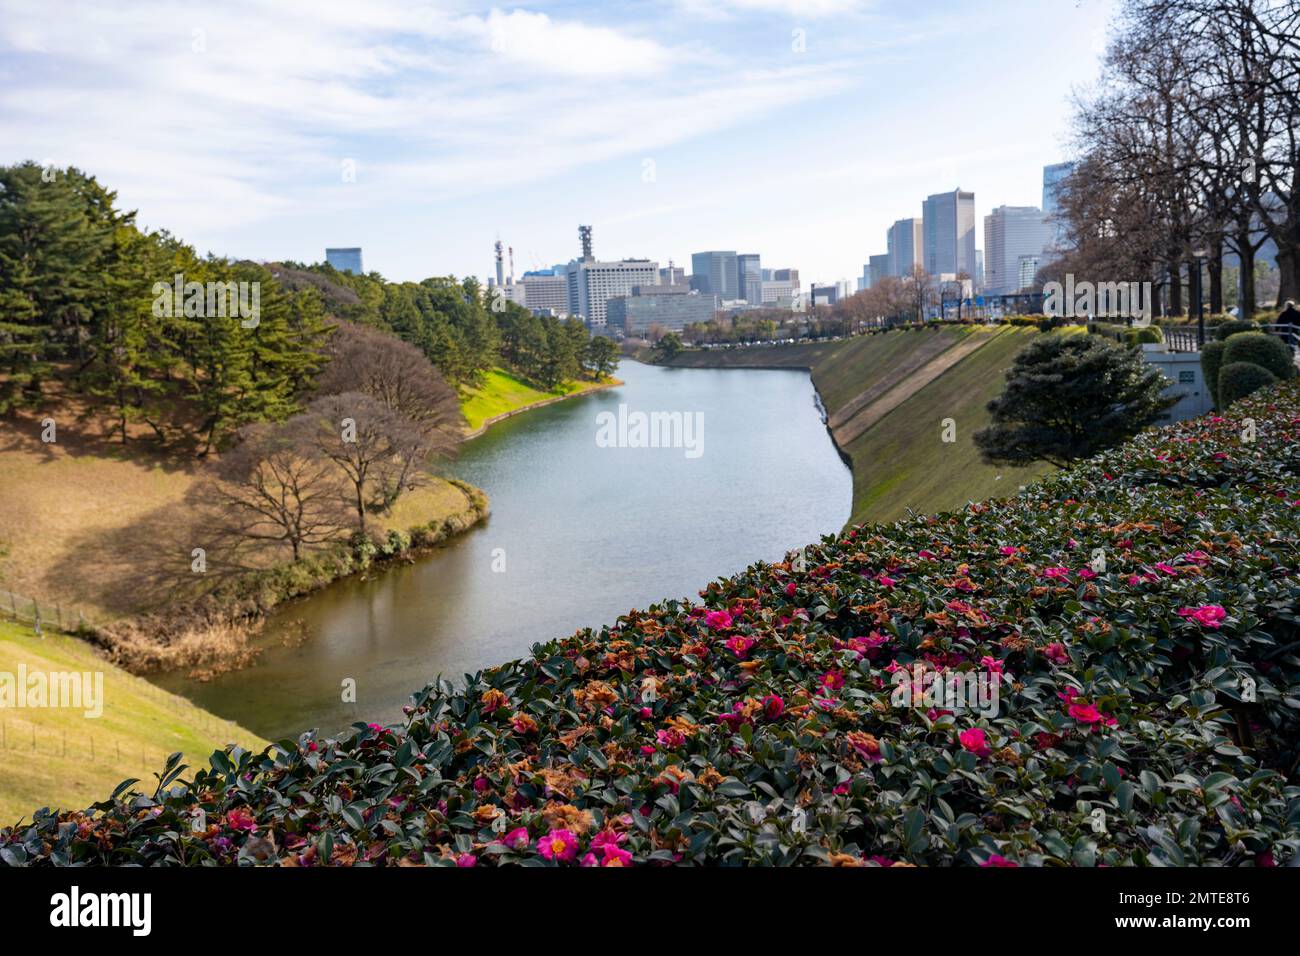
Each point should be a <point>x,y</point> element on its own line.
<point>799,129</point>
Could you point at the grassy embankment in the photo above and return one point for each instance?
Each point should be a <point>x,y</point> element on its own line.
<point>80,517</point>
<point>887,396</point>
<point>60,757</point>
<point>502,395</point>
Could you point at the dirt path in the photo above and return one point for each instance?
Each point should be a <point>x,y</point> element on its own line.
<point>865,415</point>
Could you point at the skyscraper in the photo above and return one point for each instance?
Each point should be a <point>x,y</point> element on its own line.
<point>878,267</point>
<point>715,272</point>
<point>1012,233</point>
<point>749,277</point>
<point>593,283</point>
<point>905,244</point>
<point>948,230</point>
<point>345,260</point>
<point>1054,177</point>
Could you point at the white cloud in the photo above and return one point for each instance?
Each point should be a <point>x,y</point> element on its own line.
<point>535,40</point>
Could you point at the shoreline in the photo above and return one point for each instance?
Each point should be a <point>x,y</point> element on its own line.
<point>489,422</point>
<point>213,633</point>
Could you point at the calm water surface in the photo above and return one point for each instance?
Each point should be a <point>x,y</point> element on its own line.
<point>586,534</point>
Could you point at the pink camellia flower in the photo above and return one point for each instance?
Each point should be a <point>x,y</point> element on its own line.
<point>773,706</point>
<point>1196,557</point>
<point>1068,694</point>
<point>995,861</point>
<point>886,580</point>
<point>1056,653</point>
<point>561,845</point>
<point>928,555</point>
<point>466,859</point>
<point>241,819</point>
<point>1086,574</point>
<point>833,680</point>
<point>992,663</point>
<point>739,645</point>
<point>1008,549</point>
<point>1089,714</point>
<point>1057,573</point>
<point>718,620</point>
<point>1207,615</point>
<point>670,738</point>
<point>1165,568</point>
<point>975,741</point>
<point>516,839</point>
<point>608,838</point>
<point>790,589</point>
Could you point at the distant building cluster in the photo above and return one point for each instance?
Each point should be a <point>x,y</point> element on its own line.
<point>1018,240</point>
<point>635,296</point>
<point>632,297</point>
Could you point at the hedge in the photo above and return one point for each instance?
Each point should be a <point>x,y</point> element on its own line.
<point>1136,613</point>
<point>1235,327</point>
<point>1211,363</point>
<point>1239,379</point>
<point>1262,349</point>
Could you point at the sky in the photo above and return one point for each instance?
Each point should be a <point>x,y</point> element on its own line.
<point>425,131</point>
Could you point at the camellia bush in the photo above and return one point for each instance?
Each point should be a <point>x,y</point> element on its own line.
<point>1135,615</point>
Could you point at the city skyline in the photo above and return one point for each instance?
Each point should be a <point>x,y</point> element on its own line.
<point>423,139</point>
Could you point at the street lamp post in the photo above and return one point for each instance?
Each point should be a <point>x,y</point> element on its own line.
<point>1198,255</point>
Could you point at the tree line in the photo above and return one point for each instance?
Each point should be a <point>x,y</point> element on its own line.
<point>1188,149</point>
<point>462,329</point>
<point>161,337</point>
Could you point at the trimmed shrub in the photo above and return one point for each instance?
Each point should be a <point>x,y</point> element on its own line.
<point>1235,327</point>
<point>1239,379</point>
<point>1260,348</point>
<point>1211,363</point>
<point>1133,338</point>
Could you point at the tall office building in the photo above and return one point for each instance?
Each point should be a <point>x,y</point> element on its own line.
<point>878,267</point>
<point>948,232</point>
<point>716,272</point>
<point>749,277</point>
<point>345,260</point>
<point>546,290</point>
<point>1054,177</point>
<point>905,243</point>
<point>786,275</point>
<point>592,284</point>
<point>1010,234</point>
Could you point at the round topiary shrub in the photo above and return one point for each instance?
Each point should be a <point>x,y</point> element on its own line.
<point>1134,338</point>
<point>1262,349</point>
<point>1239,379</point>
<point>1211,362</point>
<point>1235,327</point>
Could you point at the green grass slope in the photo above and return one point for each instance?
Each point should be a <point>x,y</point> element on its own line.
<point>902,462</point>
<point>502,393</point>
<point>59,757</point>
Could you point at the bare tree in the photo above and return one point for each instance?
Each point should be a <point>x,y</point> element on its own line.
<point>275,487</point>
<point>379,453</point>
<point>398,376</point>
